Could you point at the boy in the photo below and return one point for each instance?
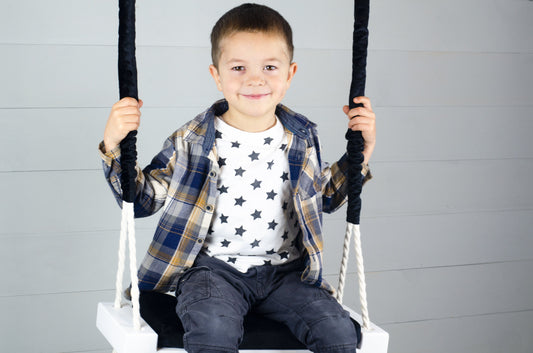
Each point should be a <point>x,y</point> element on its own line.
<point>243,187</point>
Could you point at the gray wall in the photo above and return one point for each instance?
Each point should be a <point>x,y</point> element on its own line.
<point>447,220</point>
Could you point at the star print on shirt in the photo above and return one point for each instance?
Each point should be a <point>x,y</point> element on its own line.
<point>270,164</point>
<point>221,162</point>
<point>268,262</point>
<point>239,201</point>
<point>218,134</point>
<point>223,189</point>
<point>271,195</point>
<point>240,231</point>
<point>285,204</point>
<point>285,235</point>
<point>225,243</point>
<point>256,184</point>
<point>272,225</point>
<point>223,219</point>
<point>284,255</point>
<point>270,252</point>
<point>235,144</point>
<point>268,140</point>
<point>254,156</point>
<point>283,147</point>
<point>285,176</point>
<point>256,214</point>
<point>239,172</point>
<point>255,243</point>
<point>232,259</point>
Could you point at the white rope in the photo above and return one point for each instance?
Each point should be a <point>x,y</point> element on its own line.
<point>344,264</point>
<point>127,229</point>
<point>354,228</point>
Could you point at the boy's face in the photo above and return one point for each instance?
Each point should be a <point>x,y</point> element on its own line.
<point>254,72</point>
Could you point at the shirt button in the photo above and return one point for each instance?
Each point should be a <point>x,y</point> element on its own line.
<point>213,174</point>
<point>209,208</point>
<point>200,241</point>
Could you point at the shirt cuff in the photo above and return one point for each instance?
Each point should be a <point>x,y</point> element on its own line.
<point>108,157</point>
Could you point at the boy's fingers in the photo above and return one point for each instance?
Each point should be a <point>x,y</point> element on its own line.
<point>127,101</point>
<point>365,101</point>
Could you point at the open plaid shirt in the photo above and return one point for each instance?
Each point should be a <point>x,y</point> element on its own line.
<point>182,179</point>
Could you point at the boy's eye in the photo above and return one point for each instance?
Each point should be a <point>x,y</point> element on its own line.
<point>270,67</point>
<point>237,68</point>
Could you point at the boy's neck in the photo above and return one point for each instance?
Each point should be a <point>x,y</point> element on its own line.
<point>249,124</point>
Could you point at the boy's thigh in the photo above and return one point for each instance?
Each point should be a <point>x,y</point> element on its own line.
<point>311,313</point>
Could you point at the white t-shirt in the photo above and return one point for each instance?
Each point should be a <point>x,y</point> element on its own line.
<point>254,222</point>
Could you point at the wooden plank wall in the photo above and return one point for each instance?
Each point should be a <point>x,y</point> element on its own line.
<point>447,221</point>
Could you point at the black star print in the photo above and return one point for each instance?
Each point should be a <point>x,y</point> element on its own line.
<point>256,184</point>
<point>218,134</point>
<point>291,215</point>
<point>270,164</point>
<point>285,176</point>
<point>285,204</point>
<point>283,147</point>
<point>272,225</point>
<point>256,214</point>
<point>268,262</point>
<point>225,243</point>
<point>284,255</point>
<point>296,224</point>
<point>239,172</point>
<point>255,243</point>
<point>221,162</point>
<point>223,189</point>
<point>270,252</point>
<point>210,231</point>
<point>235,144</point>
<point>285,235</point>
<point>271,194</point>
<point>293,242</point>
<point>268,140</point>
<point>239,201</point>
<point>223,219</point>
<point>240,231</point>
<point>254,156</point>
<point>232,259</point>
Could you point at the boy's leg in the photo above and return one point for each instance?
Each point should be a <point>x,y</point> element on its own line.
<point>211,311</point>
<point>312,314</point>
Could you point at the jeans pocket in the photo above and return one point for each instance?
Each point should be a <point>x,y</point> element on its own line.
<point>194,285</point>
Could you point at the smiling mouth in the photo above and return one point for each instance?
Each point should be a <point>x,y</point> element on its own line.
<point>255,96</point>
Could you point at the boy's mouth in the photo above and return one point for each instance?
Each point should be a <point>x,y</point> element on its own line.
<point>255,96</point>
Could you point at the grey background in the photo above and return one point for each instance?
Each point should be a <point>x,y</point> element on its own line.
<point>447,220</point>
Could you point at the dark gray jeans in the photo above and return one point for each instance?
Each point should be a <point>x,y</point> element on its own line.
<point>213,298</point>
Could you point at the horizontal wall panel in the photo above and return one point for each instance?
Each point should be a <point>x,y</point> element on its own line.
<point>437,293</point>
<point>506,332</point>
<point>52,323</point>
<point>500,25</point>
<point>82,200</point>
<point>85,76</point>
<point>404,134</point>
<point>75,262</point>
<point>391,243</point>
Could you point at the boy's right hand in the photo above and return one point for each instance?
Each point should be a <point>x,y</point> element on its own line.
<point>125,116</point>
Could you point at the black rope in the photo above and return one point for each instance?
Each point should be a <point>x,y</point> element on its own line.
<point>357,88</point>
<point>127,78</point>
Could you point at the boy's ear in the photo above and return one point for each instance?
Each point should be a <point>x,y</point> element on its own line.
<point>214,73</point>
<point>292,71</point>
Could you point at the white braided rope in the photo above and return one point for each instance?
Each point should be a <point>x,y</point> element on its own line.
<point>127,230</point>
<point>353,229</point>
<point>344,264</point>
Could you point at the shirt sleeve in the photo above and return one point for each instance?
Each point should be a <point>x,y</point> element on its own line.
<point>151,183</point>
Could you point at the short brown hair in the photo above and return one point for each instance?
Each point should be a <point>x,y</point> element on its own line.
<point>250,18</point>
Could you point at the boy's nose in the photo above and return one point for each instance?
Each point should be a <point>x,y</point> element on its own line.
<point>256,79</point>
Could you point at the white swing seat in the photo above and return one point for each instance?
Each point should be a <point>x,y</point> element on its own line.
<point>117,327</point>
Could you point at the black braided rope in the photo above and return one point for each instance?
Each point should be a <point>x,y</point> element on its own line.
<point>357,88</point>
<point>127,78</point>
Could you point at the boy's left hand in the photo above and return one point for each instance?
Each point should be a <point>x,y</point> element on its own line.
<point>363,119</point>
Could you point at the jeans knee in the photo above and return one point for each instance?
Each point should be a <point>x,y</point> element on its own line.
<point>335,333</point>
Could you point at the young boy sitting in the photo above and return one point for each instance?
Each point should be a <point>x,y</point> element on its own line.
<point>243,188</point>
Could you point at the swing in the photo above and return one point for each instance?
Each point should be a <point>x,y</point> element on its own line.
<point>149,323</point>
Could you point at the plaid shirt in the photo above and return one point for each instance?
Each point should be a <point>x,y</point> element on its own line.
<point>182,179</point>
